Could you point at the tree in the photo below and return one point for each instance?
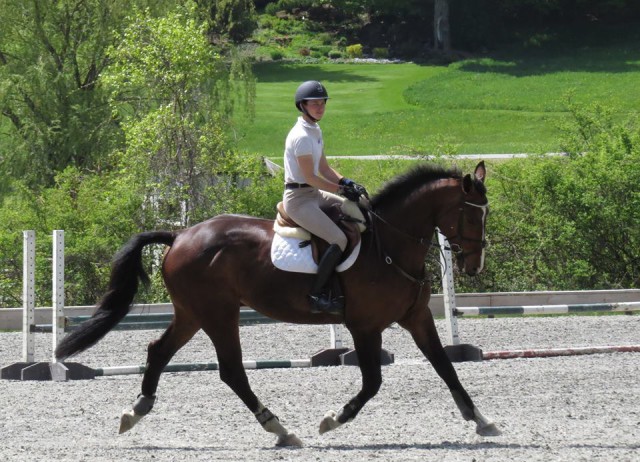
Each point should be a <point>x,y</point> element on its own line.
<point>233,20</point>
<point>51,55</point>
<point>441,33</point>
<point>175,93</point>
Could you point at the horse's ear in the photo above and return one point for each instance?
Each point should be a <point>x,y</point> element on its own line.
<point>480,172</point>
<point>467,184</point>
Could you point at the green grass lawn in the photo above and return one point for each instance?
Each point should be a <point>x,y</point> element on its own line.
<point>509,103</point>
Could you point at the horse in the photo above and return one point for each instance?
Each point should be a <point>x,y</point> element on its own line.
<point>213,268</point>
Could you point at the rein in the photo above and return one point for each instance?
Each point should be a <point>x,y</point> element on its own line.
<point>389,261</point>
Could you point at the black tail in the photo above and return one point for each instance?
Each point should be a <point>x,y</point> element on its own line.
<point>115,304</point>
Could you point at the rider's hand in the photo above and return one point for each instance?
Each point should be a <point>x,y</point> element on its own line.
<point>349,183</point>
<point>350,192</point>
<point>361,189</point>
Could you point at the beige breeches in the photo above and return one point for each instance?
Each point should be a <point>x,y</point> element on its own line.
<point>303,205</point>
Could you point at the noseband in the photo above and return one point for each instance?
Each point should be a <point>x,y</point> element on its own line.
<point>459,236</point>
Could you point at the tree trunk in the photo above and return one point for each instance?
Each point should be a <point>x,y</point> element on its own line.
<point>441,35</point>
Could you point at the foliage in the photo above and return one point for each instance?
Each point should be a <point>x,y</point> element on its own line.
<point>477,24</point>
<point>354,51</point>
<point>175,97</point>
<point>380,53</point>
<point>99,213</point>
<point>568,223</point>
<point>96,211</point>
<point>51,57</point>
<point>233,20</point>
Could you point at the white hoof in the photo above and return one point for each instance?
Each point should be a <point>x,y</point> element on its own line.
<point>329,422</point>
<point>128,421</point>
<point>488,429</point>
<point>290,440</point>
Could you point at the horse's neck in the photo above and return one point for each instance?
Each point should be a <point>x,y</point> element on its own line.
<point>407,232</point>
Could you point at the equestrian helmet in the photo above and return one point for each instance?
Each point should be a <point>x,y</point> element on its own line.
<point>310,89</point>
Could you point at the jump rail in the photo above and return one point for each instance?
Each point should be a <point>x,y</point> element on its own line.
<point>150,321</point>
<point>626,307</point>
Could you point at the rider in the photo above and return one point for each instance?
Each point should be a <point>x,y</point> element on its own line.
<point>308,180</point>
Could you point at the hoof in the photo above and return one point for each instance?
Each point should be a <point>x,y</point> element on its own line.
<point>289,441</point>
<point>489,429</point>
<point>329,422</point>
<point>128,420</point>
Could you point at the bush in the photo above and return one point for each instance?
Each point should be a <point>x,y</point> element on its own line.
<point>570,222</point>
<point>380,53</point>
<point>272,9</point>
<point>335,54</point>
<point>276,55</point>
<point>354,51</point>
<point>325,38</point>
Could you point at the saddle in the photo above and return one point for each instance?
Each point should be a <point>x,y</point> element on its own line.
<point>346,214</point>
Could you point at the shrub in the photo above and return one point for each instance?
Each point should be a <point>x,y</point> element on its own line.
<point>272,9</point>
<point>276,55</point>
<point>325,38</point>
<point>335,54</point>
<point>380,53</point>
<point>304,51</point>
<point>354,51</point>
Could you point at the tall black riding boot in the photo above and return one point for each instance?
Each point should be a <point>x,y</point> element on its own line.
<point>322,301</point>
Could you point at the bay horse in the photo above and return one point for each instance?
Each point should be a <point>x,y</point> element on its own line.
<point>217,266</point>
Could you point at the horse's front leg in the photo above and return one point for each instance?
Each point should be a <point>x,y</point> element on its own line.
<point>368,346</point>
<point>423,330</point>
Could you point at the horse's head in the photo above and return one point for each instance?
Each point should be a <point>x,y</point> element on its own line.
<point>463,222</point>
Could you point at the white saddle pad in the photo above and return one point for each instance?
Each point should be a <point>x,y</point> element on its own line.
<point>286,255</point>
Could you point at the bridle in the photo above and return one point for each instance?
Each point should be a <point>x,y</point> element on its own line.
<point>455,248</point>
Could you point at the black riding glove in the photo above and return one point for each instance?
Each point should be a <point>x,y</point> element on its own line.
<point>351,192</point>
<point>359,189</point>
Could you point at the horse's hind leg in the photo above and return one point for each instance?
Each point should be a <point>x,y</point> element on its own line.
<point>423,330</point>
<point>159,353</point>
<point>225,335</point>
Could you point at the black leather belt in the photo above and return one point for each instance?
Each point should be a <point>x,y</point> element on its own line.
<point>296,185</point>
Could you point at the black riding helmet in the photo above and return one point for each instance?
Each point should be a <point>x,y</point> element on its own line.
<point>310,89</point>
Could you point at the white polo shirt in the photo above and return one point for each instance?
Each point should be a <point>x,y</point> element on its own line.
<point>304,139</point>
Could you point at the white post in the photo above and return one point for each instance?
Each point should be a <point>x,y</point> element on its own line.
<point>449,295</point>
<point>57,290</point>
<point>28,295</point>
<point>336,336</point>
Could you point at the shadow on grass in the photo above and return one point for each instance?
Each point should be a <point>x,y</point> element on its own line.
<point>610,50</point>
<point>285,72</point>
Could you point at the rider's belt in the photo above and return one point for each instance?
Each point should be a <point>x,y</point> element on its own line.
<point>296,185</point>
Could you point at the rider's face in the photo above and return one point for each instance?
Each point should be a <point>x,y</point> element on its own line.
<point>316,107</point>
